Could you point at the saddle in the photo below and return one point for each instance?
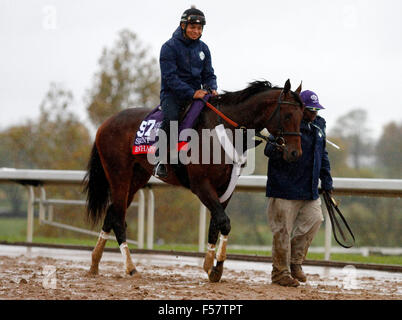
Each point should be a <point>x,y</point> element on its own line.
<point>146,136</point>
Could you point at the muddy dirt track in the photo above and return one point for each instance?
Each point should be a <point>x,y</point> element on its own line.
<point>62,274</point>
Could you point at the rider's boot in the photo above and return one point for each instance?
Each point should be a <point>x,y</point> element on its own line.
<point>160,170</point>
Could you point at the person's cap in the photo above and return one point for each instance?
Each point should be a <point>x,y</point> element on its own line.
<point>310,100</point>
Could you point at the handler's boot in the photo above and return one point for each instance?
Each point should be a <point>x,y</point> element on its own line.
<point>287,281</point>
<point>297,272</point>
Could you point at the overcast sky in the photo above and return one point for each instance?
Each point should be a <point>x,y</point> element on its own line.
<point>348,52</point>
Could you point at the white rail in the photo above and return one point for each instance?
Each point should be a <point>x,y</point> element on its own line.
<point>40,178</point>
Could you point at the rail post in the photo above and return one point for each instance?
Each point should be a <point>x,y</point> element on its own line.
<point>328,233</point>
<point>201,232</point>
<point>42,206</point>
<point>30,213</point>
<point>141,218</point>
<point>150,219</point>
<point>50,213</point>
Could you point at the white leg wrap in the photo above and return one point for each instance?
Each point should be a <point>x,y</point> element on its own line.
<point>104,235</point>
<point>221,253</point>
<point>98,251</point>
<point>123,250</point>
<point>209,258</point>
<point>128,264</point>
<point>211,247</point>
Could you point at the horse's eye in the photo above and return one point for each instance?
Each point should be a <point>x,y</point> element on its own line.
<point>288,117</point>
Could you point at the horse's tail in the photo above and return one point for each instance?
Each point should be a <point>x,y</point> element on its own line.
<point>96,188</point>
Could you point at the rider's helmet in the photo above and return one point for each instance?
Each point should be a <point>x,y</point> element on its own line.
<point>193,16</point>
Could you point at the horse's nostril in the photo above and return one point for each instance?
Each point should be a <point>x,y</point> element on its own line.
<point>294,154</point>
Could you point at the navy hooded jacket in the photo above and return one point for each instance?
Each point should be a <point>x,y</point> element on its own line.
<point>185,67</point>
<point>299,180</point>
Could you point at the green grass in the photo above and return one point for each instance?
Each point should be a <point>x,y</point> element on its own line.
<point>10,227</point>
<point>14,230</point>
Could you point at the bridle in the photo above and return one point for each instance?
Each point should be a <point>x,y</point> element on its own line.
<point>279,141</point>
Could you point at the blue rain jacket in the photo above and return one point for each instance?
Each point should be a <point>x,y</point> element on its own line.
<point>185,67</point>
<point>299,180</point>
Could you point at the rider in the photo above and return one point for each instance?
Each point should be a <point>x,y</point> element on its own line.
<point>186,69</point>
<point>294,205</point>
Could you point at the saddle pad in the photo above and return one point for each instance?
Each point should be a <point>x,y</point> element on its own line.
<point>146,135</point>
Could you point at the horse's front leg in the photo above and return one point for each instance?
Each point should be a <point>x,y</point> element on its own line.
<point>215,272</point>
<point>219,222</point>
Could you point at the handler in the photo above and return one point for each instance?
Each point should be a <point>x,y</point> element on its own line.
<point>186,69</point>
<point>294,205</point>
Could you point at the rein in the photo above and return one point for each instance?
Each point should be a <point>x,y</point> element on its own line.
<point>279,142</point>
<point>228,120</point>
<point>331,204</point>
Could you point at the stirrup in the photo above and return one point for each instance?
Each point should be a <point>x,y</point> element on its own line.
<point>160,170</point>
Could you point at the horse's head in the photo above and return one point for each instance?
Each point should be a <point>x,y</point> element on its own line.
<point>261,106</point>
<point>283,118</point>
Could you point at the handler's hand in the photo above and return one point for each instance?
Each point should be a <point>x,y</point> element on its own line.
<point>214,92</point>
<point>199,94</point>
<point>329,191</point>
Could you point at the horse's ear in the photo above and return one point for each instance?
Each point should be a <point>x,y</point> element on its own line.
<point>299,89</point>
<point>286,89</point>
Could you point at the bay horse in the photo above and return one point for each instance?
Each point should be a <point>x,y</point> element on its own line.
<point>114,174</point>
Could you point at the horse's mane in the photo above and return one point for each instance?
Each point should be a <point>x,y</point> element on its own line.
<point>237,97</point>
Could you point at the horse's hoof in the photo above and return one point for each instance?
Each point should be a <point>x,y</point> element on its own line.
<point>209,261</point>
<point>133,273</point>
<point>93,271</point>
<point>215,274</point>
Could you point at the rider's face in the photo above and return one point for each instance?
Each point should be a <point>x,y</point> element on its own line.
<point>193,31</point>
<point>309,115</point>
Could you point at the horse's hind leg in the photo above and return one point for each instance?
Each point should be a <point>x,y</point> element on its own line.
<point>139,178</point>
<point>100,245</point>
<point>112,222</point>
<point>115,219</point>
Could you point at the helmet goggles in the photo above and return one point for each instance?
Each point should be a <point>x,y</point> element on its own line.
<point>194,19</point>
<point>313,108</point>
